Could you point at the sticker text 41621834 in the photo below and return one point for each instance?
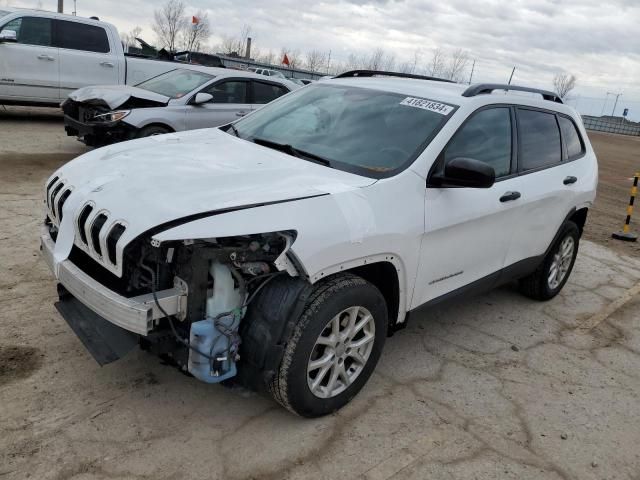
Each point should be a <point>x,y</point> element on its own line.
<point>436,107</point>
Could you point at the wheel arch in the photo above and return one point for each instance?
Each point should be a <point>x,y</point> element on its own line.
<point>579,217</point>
<point>384,276</point>
<point>157,124</point>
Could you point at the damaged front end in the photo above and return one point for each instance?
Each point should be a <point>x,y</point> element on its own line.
<point>98,122</point>
<point>202,330</point>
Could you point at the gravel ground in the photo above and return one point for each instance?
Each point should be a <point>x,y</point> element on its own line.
<point>493,387</point>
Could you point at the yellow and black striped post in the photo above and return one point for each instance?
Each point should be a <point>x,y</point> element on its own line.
<point>626,234</point>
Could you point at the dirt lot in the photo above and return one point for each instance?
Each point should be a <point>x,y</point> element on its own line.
<point>494,387</point>
<point>619,159</point>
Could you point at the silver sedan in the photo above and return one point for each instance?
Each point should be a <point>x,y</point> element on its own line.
<point>186,98</point>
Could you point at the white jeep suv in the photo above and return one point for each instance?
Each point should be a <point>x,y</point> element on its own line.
<point>281,250</point>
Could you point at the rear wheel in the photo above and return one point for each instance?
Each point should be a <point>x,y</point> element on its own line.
<point>333,349</point>
<point>547,281</point>
<point>152,130</point>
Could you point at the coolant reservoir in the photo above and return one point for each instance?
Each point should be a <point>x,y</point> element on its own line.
<point>225,297</point>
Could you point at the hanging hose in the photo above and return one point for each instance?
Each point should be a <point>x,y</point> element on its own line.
<point>223,329</point>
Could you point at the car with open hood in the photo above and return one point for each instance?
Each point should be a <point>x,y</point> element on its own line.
<point>279,251</point>
<point>184,98</point>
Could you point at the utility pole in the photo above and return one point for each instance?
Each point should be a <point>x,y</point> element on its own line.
<point>511,77</point>
<point>472,69</point>
<point>60,6</point>
<point>604,104</point>
<point>328,62</point>
<point>618,95</point>
<point>74,8</point>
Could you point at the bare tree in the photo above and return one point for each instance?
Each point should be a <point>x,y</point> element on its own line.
<point>563,83</point>
<point>193,35</point>
<point>169,21</point>
<point>267,57</point>
<point>236,46</point>
<point>353,62</point>
<point>437,64</point>
<point>129,38</point>
<point>315,60</point>
<point>375,60</point>
<point>457,65</point>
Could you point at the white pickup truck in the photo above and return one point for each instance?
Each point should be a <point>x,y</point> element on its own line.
<point>44,56</point>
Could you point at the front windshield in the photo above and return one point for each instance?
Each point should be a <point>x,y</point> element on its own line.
<point>369,132</point>
<point>176,83</point>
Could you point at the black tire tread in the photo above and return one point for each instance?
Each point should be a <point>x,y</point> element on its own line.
<point>278,386</point>
<point>533,285</point>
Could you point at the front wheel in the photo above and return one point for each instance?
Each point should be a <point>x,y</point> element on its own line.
<point>334,348</point>
<point>547,281</point>
<point>152,131</point>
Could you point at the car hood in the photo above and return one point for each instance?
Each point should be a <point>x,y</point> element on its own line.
<point>158,180</point>
<point>116,96</point>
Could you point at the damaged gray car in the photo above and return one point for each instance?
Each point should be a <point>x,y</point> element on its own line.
<point>182,99</point>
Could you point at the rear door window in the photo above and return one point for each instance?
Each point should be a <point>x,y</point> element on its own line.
<point>230,91</point>
<point>31,30</point>
<point>80,36</point>
<point>266,92</point>
<point>539,138</point>
<point>571,138</point>
<point>486,137</point>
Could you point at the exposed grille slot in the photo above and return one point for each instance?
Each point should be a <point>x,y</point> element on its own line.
<point>49,185</point>
<point>82,221</point>
<point>54,193</point>
<point>112,240</point>
<point>96,226</point>
<point>63,198</point>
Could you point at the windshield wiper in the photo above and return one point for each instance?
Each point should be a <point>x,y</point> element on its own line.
<point>234,129</point>
<point>293,151</point>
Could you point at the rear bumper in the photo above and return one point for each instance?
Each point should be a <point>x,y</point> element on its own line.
<point>138,314</point>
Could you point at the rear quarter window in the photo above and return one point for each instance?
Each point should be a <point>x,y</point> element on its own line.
<point>574,146</point>
<point>539,139</point>
<point>80,36</point>
<point>266,92</point>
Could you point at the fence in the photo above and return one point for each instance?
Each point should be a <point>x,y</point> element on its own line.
<point>611,124</point>
<point>240,62</point>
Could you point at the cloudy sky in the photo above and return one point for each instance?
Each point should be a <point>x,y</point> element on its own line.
<point>598,41</point>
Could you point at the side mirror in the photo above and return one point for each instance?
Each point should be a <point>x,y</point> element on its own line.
<point>8,36</point>
<point>466,172</point>
<point>202,98</point>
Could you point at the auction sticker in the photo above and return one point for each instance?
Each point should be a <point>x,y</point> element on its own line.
<point>436,107</point>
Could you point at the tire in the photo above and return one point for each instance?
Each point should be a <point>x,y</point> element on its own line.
<point>152,130</point>
<point>334,303</point>
<point>539,284</point>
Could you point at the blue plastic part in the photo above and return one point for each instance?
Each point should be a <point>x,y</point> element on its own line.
<point>206,338</point>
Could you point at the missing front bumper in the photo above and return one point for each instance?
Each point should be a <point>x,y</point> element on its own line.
<point>105,341</point>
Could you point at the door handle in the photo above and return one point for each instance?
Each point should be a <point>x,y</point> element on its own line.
<point>569,180</point>
<point>45,57</point>
<point>107,64</point>
<point>507,197</point>
<point>240,114</point>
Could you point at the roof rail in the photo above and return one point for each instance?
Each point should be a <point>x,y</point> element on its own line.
<point>373,73</point>
<point>486,88</point>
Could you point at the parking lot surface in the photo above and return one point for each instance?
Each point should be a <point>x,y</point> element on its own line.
<point>496,386</point>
